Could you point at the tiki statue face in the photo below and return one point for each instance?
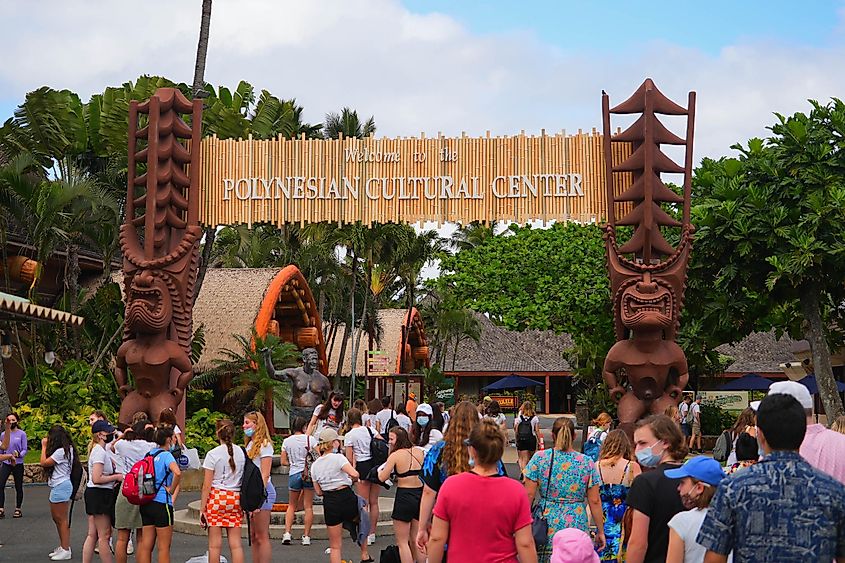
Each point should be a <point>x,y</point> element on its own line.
<point>150,309</point>
<point>647,305</point>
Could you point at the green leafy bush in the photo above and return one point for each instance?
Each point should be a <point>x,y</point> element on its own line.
<point>37,421</point>
<point>199,399</point>
<point>74,386</point>
<point>200,430</point>
<point>715,420</point>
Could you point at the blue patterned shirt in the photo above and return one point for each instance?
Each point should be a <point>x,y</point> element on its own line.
<point>780,509</point>
<point>434,470</point>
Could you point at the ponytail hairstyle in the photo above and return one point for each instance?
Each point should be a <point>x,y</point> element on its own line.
<point>162,433</point>
<point>261,437</point>
<point>488,441</point>
<point>225,433</point>
<point>563,431</point>
<point>167,416</point>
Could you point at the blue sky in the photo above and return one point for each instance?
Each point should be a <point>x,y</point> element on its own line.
<point>451,66</point>
<point>614,25</point>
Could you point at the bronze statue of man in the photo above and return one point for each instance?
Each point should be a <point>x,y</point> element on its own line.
<point>309,387</point>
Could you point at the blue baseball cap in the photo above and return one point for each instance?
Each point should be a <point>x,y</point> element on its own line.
<point>703,468</point>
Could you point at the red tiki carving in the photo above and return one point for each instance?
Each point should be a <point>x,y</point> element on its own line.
<point>160,244</point>
<point>646,370</point>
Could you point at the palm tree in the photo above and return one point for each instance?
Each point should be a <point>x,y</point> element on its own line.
<point>348,124</point>
<point>253,387</point>
<point>471,235</point>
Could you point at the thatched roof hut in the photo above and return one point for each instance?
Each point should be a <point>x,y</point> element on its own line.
<point>759,352</point>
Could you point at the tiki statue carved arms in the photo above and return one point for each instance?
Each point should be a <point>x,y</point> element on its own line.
<point>160,243</point>
<point>646,370</point>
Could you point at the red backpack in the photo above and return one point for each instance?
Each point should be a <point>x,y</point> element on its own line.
<point>139,485</point>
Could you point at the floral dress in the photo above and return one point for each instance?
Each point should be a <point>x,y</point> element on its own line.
<point>564,505</point>
<point>613,506</point>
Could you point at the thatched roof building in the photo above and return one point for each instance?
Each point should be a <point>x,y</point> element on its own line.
<point>759,352</point>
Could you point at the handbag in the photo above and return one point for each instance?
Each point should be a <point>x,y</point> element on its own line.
<point>540,524</point>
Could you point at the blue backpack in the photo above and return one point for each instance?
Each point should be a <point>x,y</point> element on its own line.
<point>592,446</point>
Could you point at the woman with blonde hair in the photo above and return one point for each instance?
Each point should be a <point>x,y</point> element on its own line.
<point>601,425</point>
<point>259,449</point>
<point>446,458</point>
<point>566,480</point>
<point>617,470</point>
<point>674,413</point>
<point>221,494</point>
<point>526,429</point>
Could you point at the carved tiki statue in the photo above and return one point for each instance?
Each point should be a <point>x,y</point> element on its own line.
<point>646,370</point>
<point>160,244</point>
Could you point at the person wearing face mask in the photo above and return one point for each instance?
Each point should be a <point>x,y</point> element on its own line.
<point>99,494</point>
<point>157,516</point>
<point>259,448</point>
<point>653,497</point>
<point>423,431</point>
<point>13,448</point>
<point>699,478</point>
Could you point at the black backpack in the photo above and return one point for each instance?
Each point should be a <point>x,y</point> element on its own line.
<point>392,422</point>
<point>524,430</point>
<point>379,449</point>
<point>253,488</point>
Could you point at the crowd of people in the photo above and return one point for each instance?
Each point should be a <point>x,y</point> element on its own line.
<point>778,496</point>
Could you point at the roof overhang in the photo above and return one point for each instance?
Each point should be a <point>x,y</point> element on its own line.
<point>13,307</point>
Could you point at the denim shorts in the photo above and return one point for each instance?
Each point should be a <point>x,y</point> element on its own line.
<point>295,482</point>
<point>271,497</point>
<point>61,492</point>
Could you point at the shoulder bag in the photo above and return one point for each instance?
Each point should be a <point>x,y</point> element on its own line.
<point>540,524</point>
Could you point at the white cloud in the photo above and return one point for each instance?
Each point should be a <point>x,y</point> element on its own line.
<point>412,72</point>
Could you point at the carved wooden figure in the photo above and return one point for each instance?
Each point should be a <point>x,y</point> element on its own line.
<point>160,244</point>
<point>646,370</point>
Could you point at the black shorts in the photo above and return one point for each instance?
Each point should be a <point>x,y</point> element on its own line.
<point>406,505</point>
<point>157,514</point>
<point>363,468</point>
<point>526,444</point>
<point>340,506</point>
<point>99,501</point>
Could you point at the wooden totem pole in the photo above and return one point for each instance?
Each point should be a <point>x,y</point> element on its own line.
<point>160,243</point>
<point>646,370</point>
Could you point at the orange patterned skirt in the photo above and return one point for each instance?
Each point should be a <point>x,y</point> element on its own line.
<point>224,509</point>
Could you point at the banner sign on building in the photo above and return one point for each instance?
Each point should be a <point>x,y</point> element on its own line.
<point>521,178</point>
<point>378,363</point>
<point>726,400</point>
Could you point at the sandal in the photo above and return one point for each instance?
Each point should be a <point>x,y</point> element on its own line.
<point>17,513</point>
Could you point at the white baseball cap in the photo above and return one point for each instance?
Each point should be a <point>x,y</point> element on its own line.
<point>794,389</point>
<point>754,405</point>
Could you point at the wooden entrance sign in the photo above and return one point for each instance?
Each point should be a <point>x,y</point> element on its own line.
<point>521,178</point>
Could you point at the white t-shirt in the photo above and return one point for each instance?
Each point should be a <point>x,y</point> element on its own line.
<point>359,439</point>
<point>695,409</point>
<point>498,419</point>
<point>404,421</point>
<point>100,455</point>
<point>176,429</point>
<point>296,447</point>
<point>433,437</point>
<point>265,451</point>
<point>217,460</point>
<point>686,524</point>
<point>327,473</point>
<point>334,420</point>
<point>369,420</point>
<point>129,452</point>
<point>61,469</point>
<point>383,416</point>
<point>683,411</point>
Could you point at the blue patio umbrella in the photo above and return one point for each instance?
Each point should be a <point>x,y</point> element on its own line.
<point>748,382</point>
<point>813,387</point>
<point>512,381</point>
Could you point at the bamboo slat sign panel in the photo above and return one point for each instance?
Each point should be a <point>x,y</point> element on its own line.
<point>522,178</point>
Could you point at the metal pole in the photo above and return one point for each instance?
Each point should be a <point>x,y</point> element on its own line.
<point>352,385</point>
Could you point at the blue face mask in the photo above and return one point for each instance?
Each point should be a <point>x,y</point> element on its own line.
<point>422,420</point>
<point>647,457</point>
<point>248,432</point>
<point>760,451</point>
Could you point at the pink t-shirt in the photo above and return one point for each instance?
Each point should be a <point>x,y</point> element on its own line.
<point>824,449</point>
<point>467,499</point>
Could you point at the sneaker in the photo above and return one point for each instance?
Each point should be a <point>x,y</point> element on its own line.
<point>97,548</point>
<point>286,539</point>
<point>55,551</point>
<point>130,548</point>
<point>61,555</point>
<point>306,540</point>
<point>371,539</point>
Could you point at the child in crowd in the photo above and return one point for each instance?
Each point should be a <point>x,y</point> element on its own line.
<point>699,478</point>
